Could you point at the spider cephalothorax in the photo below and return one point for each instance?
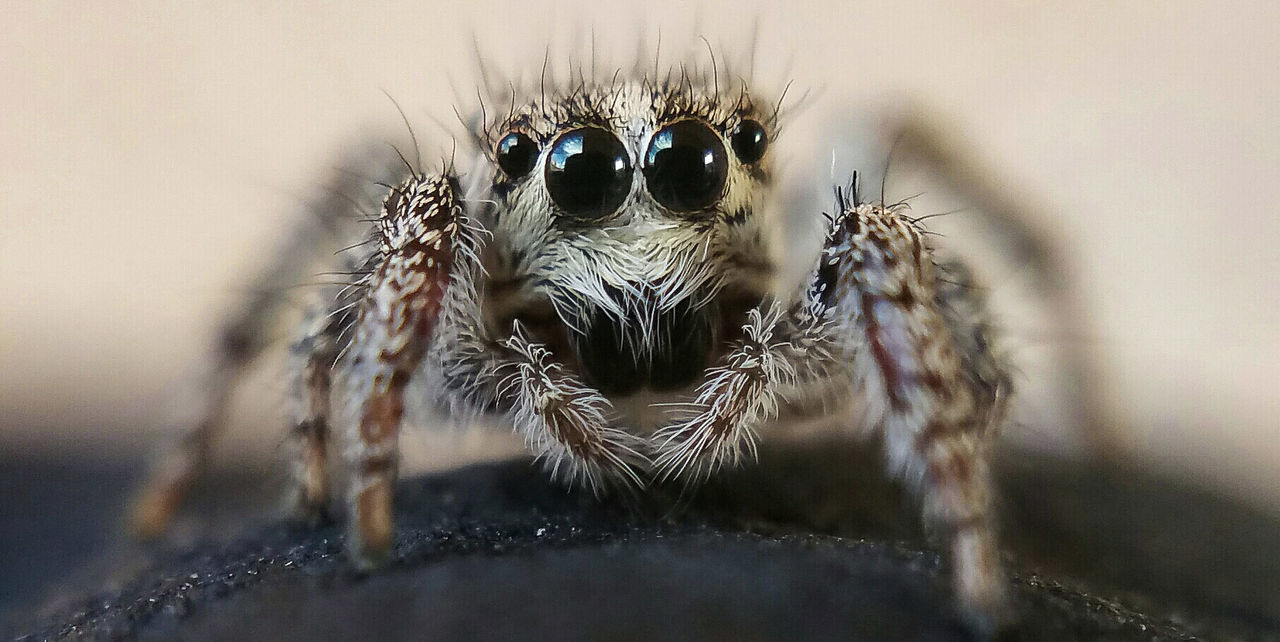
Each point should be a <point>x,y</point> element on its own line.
<point>603,284</point>
<point>623,228</point>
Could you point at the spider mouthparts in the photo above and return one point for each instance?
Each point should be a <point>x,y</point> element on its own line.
<point>661,349</point>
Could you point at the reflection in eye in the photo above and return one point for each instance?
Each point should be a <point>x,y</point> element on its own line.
<point>750,141</point>
<point>588,173</point>
<point>686,166</point>
<point>517,154</point>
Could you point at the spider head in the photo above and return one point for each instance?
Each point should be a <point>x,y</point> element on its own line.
<point>626,221</point>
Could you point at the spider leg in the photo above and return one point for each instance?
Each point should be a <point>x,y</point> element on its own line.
<point>920,137</point>
<point>169,481</point>
<point>425,245</point>
<point>327,334</point>
<point>241,339</point>
<point>937,395</point>
<point>880,316</point>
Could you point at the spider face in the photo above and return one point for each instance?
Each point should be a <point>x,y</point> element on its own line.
<point>625,231</point>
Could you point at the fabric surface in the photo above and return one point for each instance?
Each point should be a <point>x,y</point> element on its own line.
<point>810,544</point>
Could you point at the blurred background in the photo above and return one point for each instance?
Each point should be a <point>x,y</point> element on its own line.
<point>154,154</point>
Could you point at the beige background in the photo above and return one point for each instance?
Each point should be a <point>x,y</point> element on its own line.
<point>153,153</point>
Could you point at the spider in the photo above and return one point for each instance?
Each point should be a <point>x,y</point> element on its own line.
<point>601,281</point>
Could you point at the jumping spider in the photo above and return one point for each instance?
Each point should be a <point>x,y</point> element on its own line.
<point>602,283</point>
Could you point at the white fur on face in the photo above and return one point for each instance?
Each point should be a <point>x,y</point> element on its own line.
<point>641,259</point>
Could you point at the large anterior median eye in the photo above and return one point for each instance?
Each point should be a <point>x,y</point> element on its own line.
<point>588,172</point>
<point>685,166</point>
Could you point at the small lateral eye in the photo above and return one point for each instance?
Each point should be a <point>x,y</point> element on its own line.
<point>517,154</point>
<point>749,141</point>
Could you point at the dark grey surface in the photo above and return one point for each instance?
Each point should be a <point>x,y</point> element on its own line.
<point>809,544</point>
<point>54,519</point>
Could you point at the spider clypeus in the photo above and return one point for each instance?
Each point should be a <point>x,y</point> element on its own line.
<point>602,282</point>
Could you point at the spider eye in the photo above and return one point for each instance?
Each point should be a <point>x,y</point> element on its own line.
<point>749,141</point>
<point>686,166</point>
<point>517,154</point>
<point>588,172</point>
